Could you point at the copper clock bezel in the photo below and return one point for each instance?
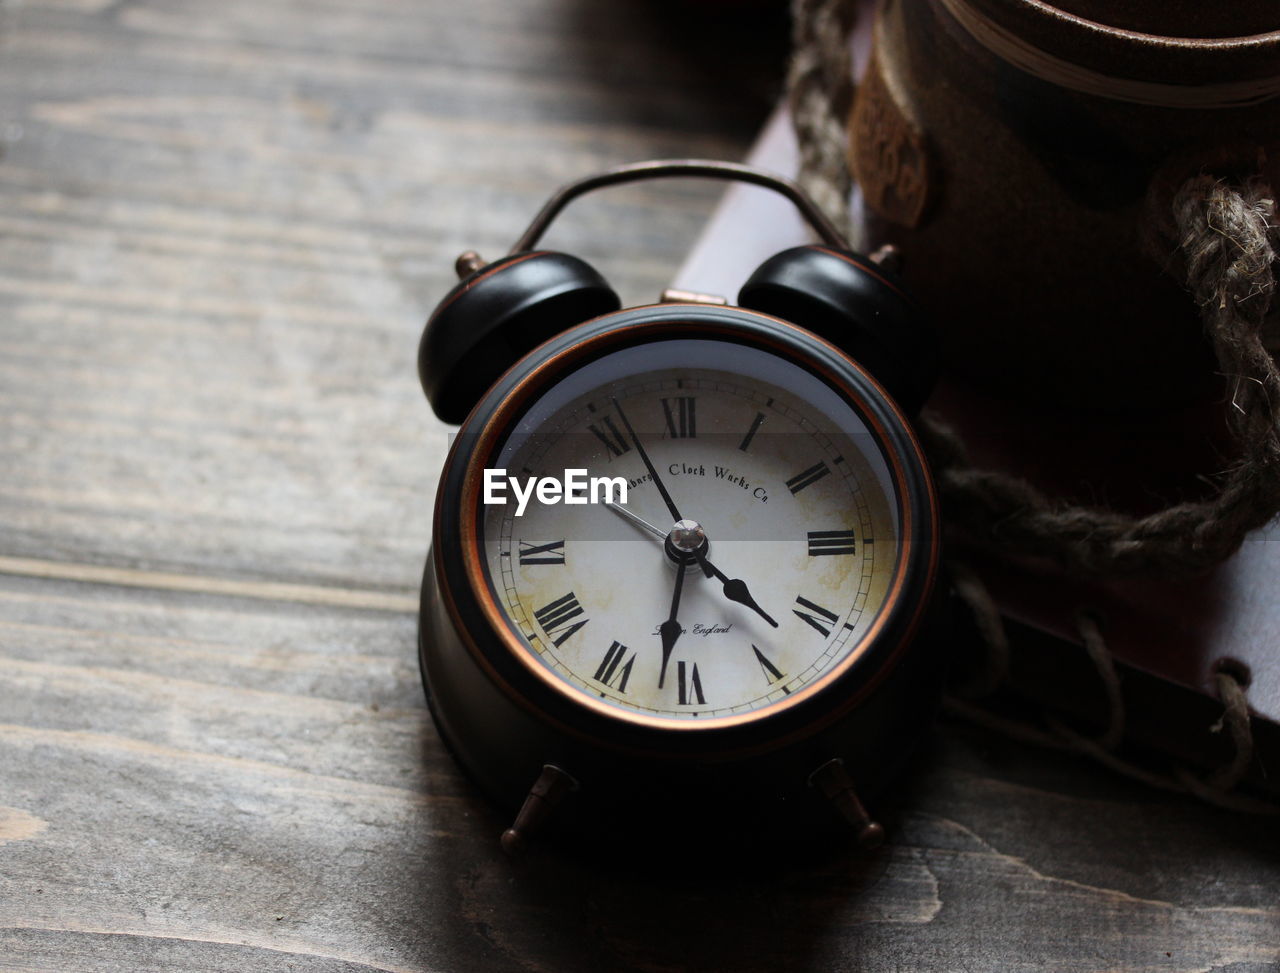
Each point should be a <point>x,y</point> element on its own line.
<point>531,683</point>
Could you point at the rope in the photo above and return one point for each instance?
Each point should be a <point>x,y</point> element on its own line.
<point>1227,245</point>
<point>1227,240</point>
<point>986,616</point>
<point>820,91</point>
<point>1218,788</point>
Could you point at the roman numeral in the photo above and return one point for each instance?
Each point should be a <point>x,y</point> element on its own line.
<point>771,673</point>
<point>612,667</point>
<point>756,423</point>
<point>813,619</point>
<point>550,553</point>
<point>823,542</point>
<point>557,615</point>
<point>689,684</point>
<point>613,440</point>
<point>807,477</point>
<point>681,419</point>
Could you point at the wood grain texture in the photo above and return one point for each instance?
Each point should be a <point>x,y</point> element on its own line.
<point>221,225</point>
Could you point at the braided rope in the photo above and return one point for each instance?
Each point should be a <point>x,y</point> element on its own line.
<point>1217,789</point>
<point>1227,241</point>
<point>820,91</point>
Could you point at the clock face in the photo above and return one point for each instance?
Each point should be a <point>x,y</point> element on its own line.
<point>774,577</point>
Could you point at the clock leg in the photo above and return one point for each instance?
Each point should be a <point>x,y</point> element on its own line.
<point>551,787</point>
<point>835,784</point>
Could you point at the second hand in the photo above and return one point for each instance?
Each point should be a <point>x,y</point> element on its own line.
<point>638,521</point>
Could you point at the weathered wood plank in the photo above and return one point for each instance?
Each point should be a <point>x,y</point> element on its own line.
<point>179,773</point>
<point>220,230</point>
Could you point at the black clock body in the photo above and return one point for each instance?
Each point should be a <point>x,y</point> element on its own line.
<point>749,779</point>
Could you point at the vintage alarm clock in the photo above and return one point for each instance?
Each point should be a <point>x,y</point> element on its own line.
<point>684,561</point>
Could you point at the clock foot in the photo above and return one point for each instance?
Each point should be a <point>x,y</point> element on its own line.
<point>546,794</point>
<point>835,784</point>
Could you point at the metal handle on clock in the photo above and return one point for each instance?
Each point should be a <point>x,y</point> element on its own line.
<point>691,168</point>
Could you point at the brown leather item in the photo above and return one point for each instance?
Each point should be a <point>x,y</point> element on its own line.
<point>1026,157</point>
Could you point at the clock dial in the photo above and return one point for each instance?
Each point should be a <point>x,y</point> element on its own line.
<point>755,551</point>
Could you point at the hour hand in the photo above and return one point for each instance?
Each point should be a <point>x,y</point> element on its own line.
<point>735,589</point>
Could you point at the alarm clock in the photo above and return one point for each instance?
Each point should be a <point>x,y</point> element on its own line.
<point>683,575</point>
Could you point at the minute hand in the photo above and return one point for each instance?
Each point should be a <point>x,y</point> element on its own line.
<point>662,489</point>
<point>735,589</point>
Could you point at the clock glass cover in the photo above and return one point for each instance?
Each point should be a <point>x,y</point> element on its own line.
<point>786,560</point>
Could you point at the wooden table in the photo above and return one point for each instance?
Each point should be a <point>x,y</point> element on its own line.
<point>221,224</point>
